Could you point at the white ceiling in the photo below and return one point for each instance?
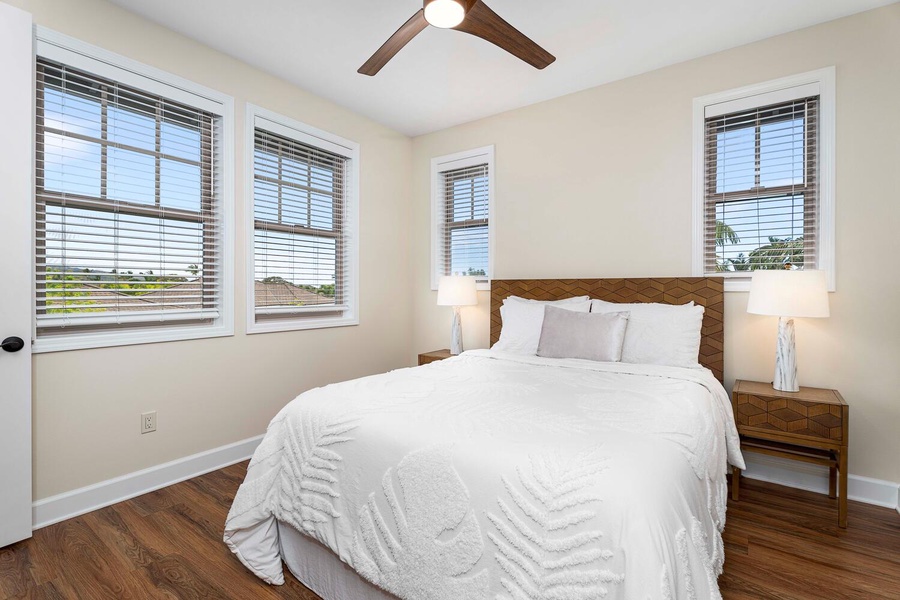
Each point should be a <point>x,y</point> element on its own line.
<point>443,77</point>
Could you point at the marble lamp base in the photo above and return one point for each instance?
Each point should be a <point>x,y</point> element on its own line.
<point>456,344</point>
<point>786,358</point>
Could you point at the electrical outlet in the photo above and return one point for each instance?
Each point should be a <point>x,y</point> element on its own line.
<point>148,422</point>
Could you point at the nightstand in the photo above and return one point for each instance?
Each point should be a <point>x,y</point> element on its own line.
<point>810,425</point>
<point>430,357</point>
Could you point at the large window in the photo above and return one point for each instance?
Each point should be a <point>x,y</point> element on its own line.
<point>129,206</point>
<point>461,207</point>
<point>762,193</point>
<point>304,241</point>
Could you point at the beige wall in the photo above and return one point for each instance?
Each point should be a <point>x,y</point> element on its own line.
<point>598,184</point>
<point>592,184</point>
<point>216,391</point>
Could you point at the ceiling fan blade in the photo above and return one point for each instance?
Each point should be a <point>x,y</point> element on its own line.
<point>481,21</point>
<point>401,37</point>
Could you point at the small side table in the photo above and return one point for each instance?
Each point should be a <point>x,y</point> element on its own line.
<point>430,357</point>
<point>810,425</point>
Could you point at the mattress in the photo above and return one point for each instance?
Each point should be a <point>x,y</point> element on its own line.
<point>494,475</point>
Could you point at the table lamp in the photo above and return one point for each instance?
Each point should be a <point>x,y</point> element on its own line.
<point>456,291</point>
<point>787,294</point>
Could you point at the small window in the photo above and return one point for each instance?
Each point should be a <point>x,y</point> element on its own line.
<point>462,206</point>
<point>762,201</point>
<point>304,215</point>
<point>129,210</point>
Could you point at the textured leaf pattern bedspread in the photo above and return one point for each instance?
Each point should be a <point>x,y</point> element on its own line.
<point>500,476</point>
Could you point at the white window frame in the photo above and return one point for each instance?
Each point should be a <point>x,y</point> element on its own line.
<point>821,82</point>
<point>459,160</point>
<point>306,134</point>
<point>97,61</point>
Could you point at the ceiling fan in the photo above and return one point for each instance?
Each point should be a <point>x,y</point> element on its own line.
<point>471,16</point>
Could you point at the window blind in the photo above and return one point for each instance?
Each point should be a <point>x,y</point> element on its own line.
<point>302,262</point>
<point>464,226</point>
<point>128,210</point>
<point>761,195</point>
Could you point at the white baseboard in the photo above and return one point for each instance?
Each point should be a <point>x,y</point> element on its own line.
<point>83,500</point>
<point>814,478</point>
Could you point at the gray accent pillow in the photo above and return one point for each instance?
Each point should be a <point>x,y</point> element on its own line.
<point>591,336</point>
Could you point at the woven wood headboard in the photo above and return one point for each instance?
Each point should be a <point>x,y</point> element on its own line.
<point>707,291</point>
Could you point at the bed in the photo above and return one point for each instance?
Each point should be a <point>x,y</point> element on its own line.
<point>497,475</point>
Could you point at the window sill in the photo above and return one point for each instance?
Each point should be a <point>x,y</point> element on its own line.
<point>107,339</point>
<point>275,326</point>
<point>481,286</point>
<point>742,284</point>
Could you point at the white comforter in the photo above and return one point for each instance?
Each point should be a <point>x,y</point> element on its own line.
<point>500,476</point>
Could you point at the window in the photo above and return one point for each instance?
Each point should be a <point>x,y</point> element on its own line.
<point>129,203</point>
<point>462,193</point>
<point>304,225</point>
<point>765,201</point>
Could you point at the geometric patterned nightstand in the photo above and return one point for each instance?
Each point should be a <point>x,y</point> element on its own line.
<point>430,357</point>
<point>810,425</point>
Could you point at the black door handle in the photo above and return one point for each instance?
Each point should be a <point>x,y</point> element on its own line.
<point>13,344</point>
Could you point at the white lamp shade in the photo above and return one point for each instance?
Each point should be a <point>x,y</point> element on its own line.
<point>787,293</point>
<point>457,290</point>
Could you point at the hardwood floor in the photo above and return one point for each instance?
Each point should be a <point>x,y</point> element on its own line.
<point>780,544</point>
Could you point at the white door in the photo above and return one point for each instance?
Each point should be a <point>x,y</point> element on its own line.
<point>16,108</point>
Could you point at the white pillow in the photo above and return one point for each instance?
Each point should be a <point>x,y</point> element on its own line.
<point>572,300</point>
<point>659,334</point>
<point>604,303</point>
<point>522,323</point>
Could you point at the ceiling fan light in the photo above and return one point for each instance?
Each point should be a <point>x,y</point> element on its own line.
<point>444,13</point>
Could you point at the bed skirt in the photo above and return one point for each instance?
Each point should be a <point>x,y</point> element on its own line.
<point>320,569</point>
